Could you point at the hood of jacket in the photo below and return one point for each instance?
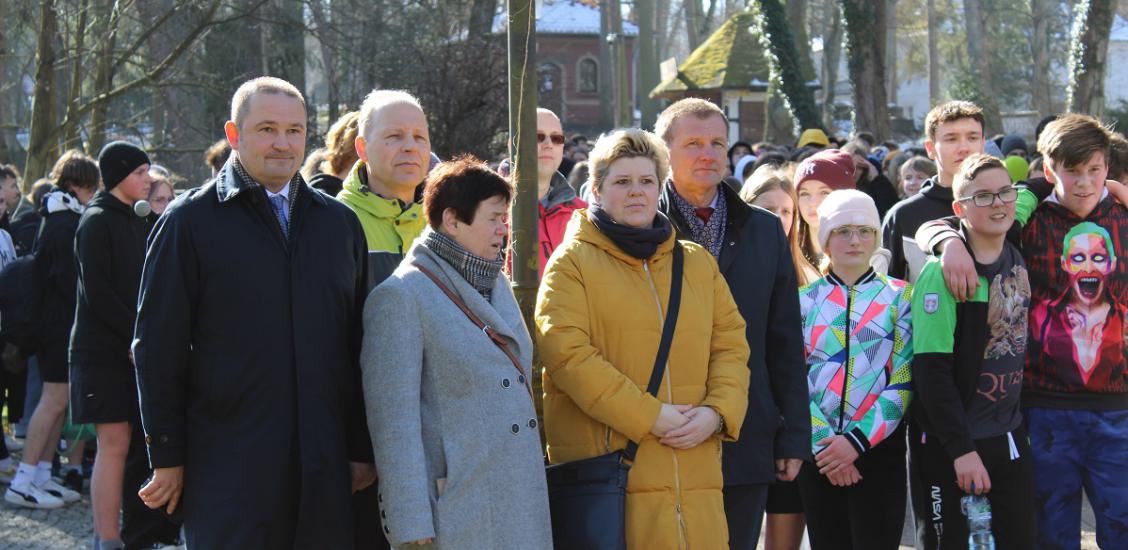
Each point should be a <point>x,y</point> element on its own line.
<point>559,192</point>
<point>107,201</point>
<point>58,200</point>
<point>933,190</point>
<point>356,194</point>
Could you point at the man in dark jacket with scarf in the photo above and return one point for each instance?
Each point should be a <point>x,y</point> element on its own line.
<point>754,257</point>
<point>247,345</point>
<point>109,250</point>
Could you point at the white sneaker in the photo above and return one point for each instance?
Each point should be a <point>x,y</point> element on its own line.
<point>32,497</point>
<point>58,491</point>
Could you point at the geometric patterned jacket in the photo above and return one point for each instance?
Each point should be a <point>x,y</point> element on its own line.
<point>859,351</point>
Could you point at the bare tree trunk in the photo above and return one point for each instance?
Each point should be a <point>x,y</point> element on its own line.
<point>606,91</point>
<point>933,54</point>
<point>327,45</point>
<point>71,134</point>
<point>865,39</point>
<point>104,77</point>
<point>42,146</point>
<point>1040,87</point>
<point>797,18</point>
<point>647,69</point>
<point>980,65</point>
<point>662,24</point>
<point>832,54</point>
<point>1089,56</point>
<point>623,109</point>
<point>693,16</point>
<point>891,49</point>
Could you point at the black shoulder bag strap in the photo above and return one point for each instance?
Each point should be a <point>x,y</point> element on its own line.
<point>667,334</point>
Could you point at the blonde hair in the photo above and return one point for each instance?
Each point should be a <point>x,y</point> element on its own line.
<point>769,178</point>
<point>695,106</point>
<point>627,143</point>
<point>340,148</point>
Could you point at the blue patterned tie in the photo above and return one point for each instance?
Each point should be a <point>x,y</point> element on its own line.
<point>279,204</point>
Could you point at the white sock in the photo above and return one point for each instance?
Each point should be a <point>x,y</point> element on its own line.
<point>43,472</point>
<point>25,475</point>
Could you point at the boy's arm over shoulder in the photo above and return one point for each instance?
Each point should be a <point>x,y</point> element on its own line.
<point>1031,193</point>
<point>933,363</point>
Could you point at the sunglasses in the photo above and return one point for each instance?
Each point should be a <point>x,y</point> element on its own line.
<point>557,139</point>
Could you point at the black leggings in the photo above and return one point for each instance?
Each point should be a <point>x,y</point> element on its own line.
<point>868,515</point>
<point>941,523</point>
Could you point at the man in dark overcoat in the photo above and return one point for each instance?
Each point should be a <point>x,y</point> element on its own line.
<point>753,255</point>
<point>247,343</point>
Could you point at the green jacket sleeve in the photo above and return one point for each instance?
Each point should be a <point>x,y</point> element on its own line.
<point>934,326</point>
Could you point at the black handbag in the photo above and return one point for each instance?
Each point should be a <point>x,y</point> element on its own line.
<point>588,498</point>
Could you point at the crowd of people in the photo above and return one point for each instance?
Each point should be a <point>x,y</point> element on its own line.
<point>324,350</point>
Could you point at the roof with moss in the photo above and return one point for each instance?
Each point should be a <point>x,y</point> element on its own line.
<point>732,58</point>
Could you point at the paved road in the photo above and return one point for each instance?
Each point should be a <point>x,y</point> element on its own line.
<point>70,528</point>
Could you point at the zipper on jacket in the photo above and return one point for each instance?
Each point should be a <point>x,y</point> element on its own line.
<point>684,543</point>
<point>846,375</point>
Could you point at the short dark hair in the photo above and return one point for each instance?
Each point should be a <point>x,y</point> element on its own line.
<point>9,171</point>
<point>461,184</point>
<point>1072,139</point>
<point>75,169</point>
<point>970,169</point>
<point>216,155</point>
<point>1117,156</point>
<point>38,190</point>
<point>948,112</point>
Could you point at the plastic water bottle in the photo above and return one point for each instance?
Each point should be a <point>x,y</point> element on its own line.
<point>978,512</point>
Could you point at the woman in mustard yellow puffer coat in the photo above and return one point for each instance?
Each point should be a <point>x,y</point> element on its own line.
<point>599,318</point>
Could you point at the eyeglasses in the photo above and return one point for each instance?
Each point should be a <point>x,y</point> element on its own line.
<point>557,139</point>
<point>984,199</point>
<point>865,232</point>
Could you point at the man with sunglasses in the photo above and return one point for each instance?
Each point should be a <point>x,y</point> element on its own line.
<point>556,199</point>
<point>967,372</point>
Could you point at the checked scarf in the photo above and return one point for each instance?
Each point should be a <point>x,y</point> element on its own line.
<point>709,235</point>
<point>478,271</point>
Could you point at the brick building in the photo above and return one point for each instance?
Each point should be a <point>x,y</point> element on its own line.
<point>568,75</point>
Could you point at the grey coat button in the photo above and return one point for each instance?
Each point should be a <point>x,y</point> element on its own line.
<point>532,423</point>
<point>515,428</point>
<point>505,382</point>
<point>520,378</point>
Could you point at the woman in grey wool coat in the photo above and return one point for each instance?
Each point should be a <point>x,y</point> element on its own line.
<point>451,415</point>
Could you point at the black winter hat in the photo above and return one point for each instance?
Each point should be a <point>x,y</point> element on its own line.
<point>117,160</point>
<point>1012,142</point>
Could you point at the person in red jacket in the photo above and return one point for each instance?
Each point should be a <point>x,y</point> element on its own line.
<point>556,199</point>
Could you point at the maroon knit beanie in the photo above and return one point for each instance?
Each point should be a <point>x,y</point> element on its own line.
<point>832,167</point>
